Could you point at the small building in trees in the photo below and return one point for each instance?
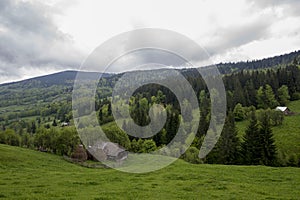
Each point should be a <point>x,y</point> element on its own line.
<point>79,154</point>
<point>63,124</point>
<point>285,110</point>
<point>102,151</point>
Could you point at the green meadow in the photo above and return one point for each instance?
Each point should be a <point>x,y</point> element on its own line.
<point>287,135</point>
<point>29,174</point>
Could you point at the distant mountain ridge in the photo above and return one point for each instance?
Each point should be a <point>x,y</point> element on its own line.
<point>264,63</point>
<point>67,78</point>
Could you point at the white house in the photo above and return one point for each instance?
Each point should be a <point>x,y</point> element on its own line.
<point>285,110</point>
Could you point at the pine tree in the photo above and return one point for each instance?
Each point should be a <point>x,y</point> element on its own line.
<point>265,97</point>
<point>283,95</point>
<point>239,112</point>
<point>250,93</point>
<point>267,141</point>
<point>33,127</point>
<point>251,147</point>
<point>228,144</point>
<point>54,123</point>
<point>101,115</point>
<point>260,98</point>
<point>109,111</point>
<point>238,94</point>
<point>270,97</point>
<point>204,112</point>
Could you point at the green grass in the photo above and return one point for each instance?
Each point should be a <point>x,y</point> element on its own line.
<point>28,174</point>
<point>287,135</point>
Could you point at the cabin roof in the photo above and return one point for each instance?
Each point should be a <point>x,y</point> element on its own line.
<point>281,108</point>
<point>110,148</point>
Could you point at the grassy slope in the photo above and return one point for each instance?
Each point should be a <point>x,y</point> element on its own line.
<point>27,174</point>
<point>287,136</point>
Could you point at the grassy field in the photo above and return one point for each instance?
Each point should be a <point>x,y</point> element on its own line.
<point>287,135</point>
<point>28,174</point>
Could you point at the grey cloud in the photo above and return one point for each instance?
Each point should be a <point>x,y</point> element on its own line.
<point>291,7</point>
<point>29,37</point>
<point>144,47</point>
<point>232,37</point>
<point>273,2</point>
<point>225,39</point>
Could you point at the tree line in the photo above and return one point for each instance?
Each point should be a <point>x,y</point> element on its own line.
<point>246,92</point>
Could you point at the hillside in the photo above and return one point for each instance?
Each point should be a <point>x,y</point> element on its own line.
<point>28,98</point>
<point>27,174</point>
<point>276,61</point>
<point>41,96</point>
<point>287,135</point>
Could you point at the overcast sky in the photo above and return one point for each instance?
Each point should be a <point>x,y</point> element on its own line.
<point>40,37</point>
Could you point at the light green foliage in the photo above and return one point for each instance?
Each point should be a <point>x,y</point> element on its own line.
<point>142,146</point>
<point>60,141</point>
<point>260,98</point>
<point>239,112</point>
<point>148,146</point>
<point>191,155</point>
<point>10,137</point>
<point>160,97</point>
<point>115,134</point>
<point>270,97</point>
<point>265,97</point>
<point>283,95</point>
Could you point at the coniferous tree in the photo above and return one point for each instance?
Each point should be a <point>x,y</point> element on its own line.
<point>239,112</point>
<point>238,94</point>
<point>100,115</point>
<point>267,141</point>
<point>109,111</point>
<point>228,145</point>
<point>204,113</point>
<point>283,95</point>
<point>251,147</point>
<point>33,127</point>
<point>250,93</point>
<point>172,126</point>
<point>271,102</point>
<point>260,98</point>
<point>265,97</point>
<point>54,123</point>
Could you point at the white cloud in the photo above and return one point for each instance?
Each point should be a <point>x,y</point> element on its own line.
<point>57,34</point>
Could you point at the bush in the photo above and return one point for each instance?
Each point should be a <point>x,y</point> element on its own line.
<point>296,96</point>
<point>9,137</point>
<point>191,155</point>
<point>292,161</point>
<point>148,146</point>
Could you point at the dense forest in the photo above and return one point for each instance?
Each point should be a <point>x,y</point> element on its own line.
<point>33,112</point>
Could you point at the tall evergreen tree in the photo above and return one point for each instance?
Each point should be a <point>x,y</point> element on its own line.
<point>251,147</point>
<point>204,115</point>
<point>267,141</point>
<point>283,95</point>
<point>270,97</point>
<point>228,144</point>
<point>100,115</point>
<point>260,98</point>
<point>265,97</point>
<point>239,112</point>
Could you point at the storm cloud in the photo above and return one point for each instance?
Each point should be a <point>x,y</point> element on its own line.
<point>29,38</point>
